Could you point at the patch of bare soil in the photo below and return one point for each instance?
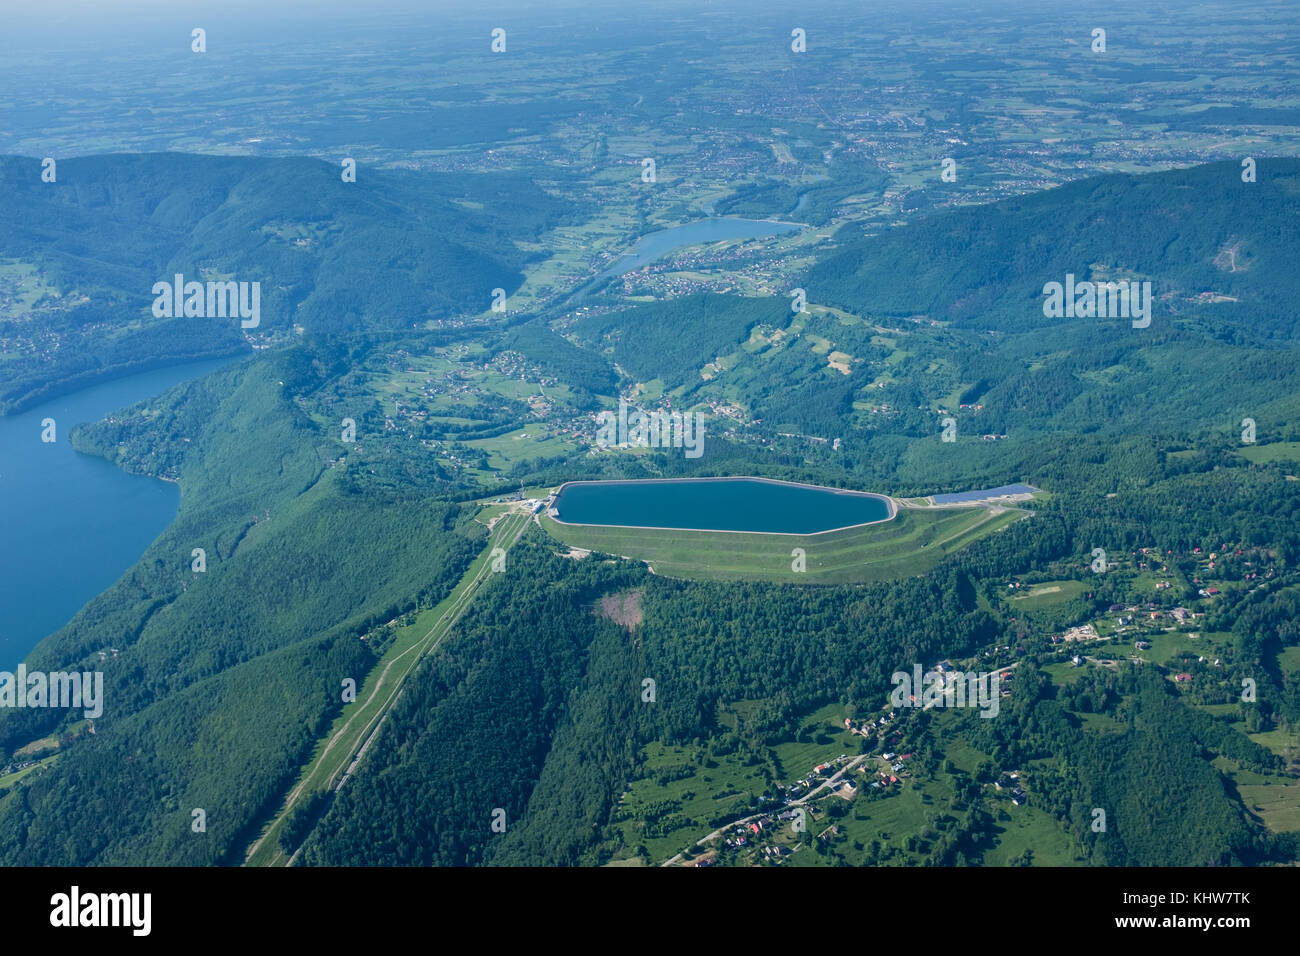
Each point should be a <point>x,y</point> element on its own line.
<point>1227,259</point>
<point>623,609</point>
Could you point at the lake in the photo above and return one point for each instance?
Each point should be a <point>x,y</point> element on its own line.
<point>73,523</point>
<point>719,504</point>
<point>656,245</point>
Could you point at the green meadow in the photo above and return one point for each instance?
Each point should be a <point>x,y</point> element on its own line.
<point>1047,594</point>
<point>1275,451</point>
<point>913,542</point>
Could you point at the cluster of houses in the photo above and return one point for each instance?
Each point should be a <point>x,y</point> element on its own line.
<point>834,443</point>
<point>871,728</point>
<point>743,834</point>
<point>1009,781</point>
<point>740,840</point>
<point>821,770</point>
<point>750,831</point>
<point>1127,616</point>
<point>16,766</point>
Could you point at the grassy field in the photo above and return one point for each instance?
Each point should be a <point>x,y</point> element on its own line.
<point>679,794</point>
<point>663,815</point>
<point>912,543</point>
<point>1289,660</point>
<point>1028,828</point>
<point>1166,646</point>
<point>21,286</point>
<point>8,780</point>
<point>1276,451</point>
<point>829,739</point>
<point>1274,798</point>
<point>1047,594</point>
<point>1279,741</point>
<point>532,441</point>
<point>1063,673</point>
<point>1276,802</point>
<point>1102,724</point>
<point>910,809</point>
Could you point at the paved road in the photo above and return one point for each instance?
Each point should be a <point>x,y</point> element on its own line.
<point>832,780</point>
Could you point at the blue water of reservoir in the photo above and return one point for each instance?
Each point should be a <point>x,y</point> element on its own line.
<point>960,496</point>
<point>719,504</point>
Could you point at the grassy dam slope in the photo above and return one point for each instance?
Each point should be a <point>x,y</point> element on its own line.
<point>912,543</point>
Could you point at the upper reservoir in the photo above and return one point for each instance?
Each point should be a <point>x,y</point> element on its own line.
<point>73,523</point>
<point>655,245</point>
<point>719,504</point>
<point>1003,491</point>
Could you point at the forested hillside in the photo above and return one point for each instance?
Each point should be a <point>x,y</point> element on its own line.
<point>1187,231</point>
<point>322,538</point>
<point>392,250</point>
<point>219,682</point>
